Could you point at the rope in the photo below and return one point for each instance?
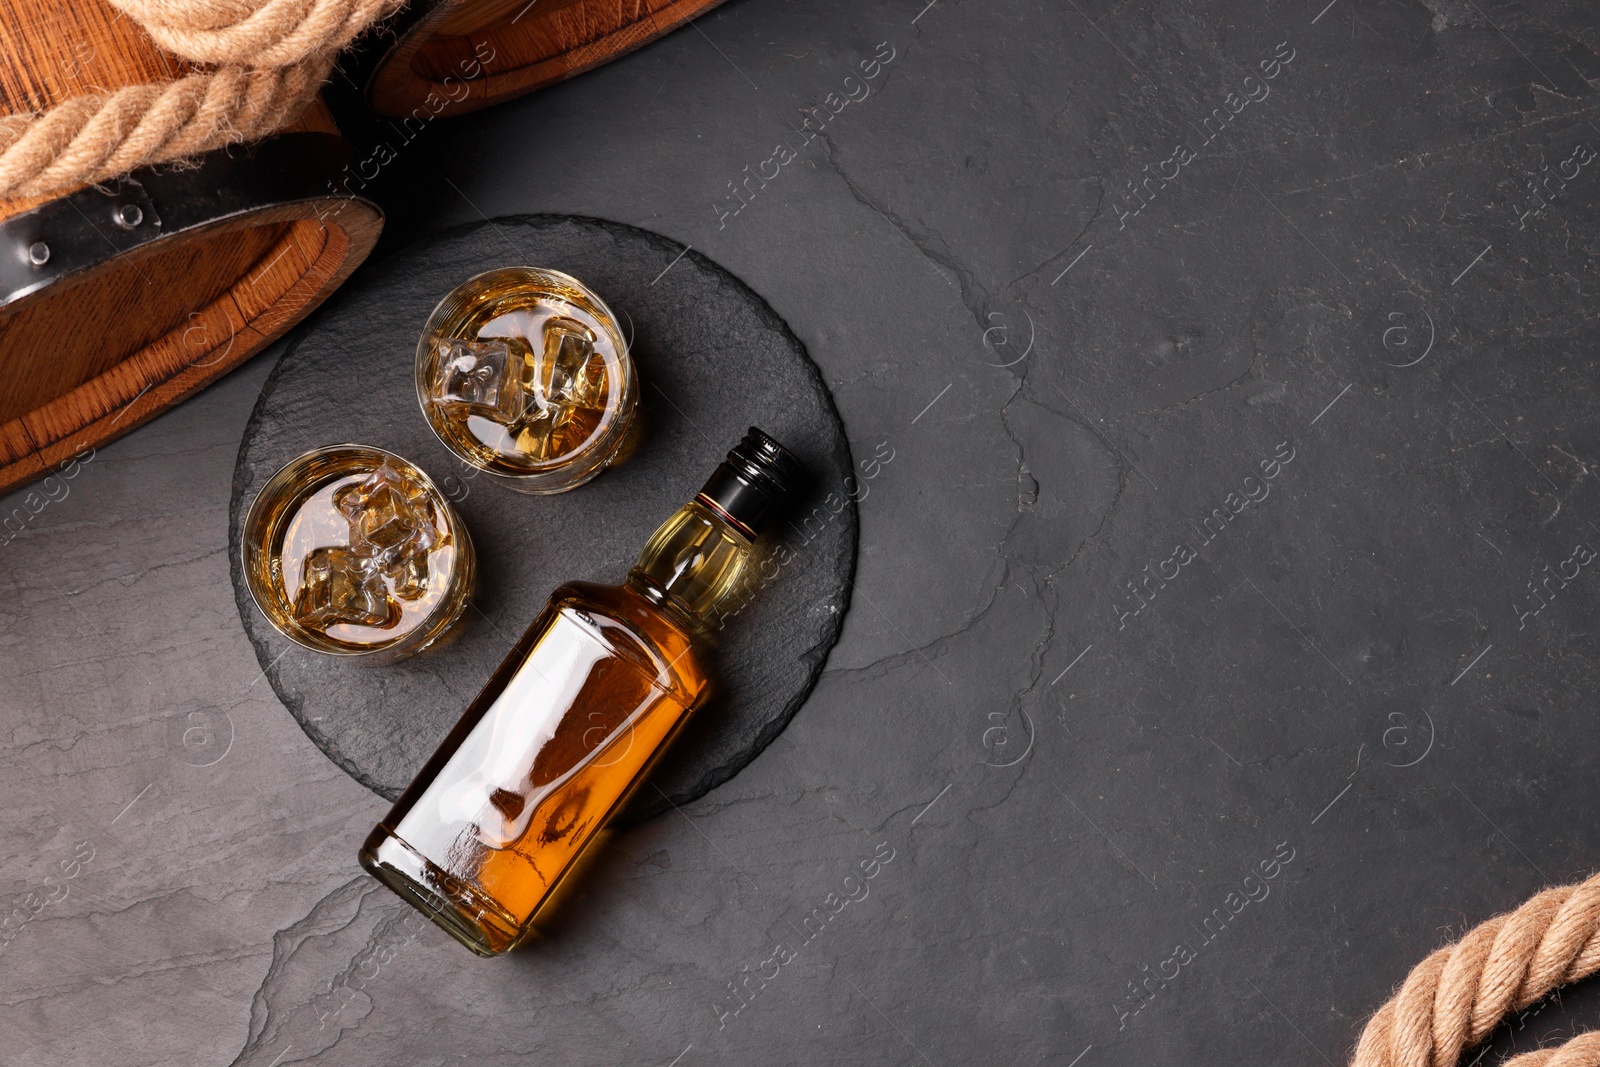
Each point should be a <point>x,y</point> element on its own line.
<point>1455,998</point>
<point>253,33</point>
<point>270,59</point>
<point>93,138</point>
<point>1581,1051</point>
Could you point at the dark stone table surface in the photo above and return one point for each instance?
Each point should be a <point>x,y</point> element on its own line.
<point>1223,631</point>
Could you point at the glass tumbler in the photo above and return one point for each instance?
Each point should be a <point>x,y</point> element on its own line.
<point>353,551</point>
<point>523,373</point>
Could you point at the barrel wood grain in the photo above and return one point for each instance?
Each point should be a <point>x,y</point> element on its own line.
<point>461,55</point>
<point>92,356</point>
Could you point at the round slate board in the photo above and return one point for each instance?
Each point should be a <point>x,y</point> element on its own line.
<point>713,359</point>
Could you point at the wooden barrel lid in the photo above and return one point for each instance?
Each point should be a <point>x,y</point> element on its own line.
<point>454,56</point>
<point>118,301</point>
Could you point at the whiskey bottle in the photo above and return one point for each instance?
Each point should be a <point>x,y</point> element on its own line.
<point>574,718</point>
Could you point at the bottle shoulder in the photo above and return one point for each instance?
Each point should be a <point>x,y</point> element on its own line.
<point>636,630</point>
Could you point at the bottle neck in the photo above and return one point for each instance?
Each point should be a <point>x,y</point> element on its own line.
<point>692,562</point>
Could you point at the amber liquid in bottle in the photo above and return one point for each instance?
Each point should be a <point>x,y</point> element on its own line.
<point>563,732</point>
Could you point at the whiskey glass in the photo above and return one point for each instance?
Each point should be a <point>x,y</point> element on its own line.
<point>353,551</point>
<point>523,373</point>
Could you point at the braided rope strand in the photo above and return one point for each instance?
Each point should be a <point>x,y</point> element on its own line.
<point>270,59</point>
<point>94,138</point>
<point>258,33</point>
<point>1581,1051</point>
<point>1454,999</point>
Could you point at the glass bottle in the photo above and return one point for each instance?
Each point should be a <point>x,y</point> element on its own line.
<point>574,718</point>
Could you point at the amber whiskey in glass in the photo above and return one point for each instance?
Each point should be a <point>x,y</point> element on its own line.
<point>523,372</point>
<point>574,718</point>
<point>354,552</point>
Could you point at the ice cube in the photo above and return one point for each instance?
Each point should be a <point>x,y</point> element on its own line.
<point>565,389</point>
<point>411,578</point>
<point>484,376</point>
<point>560,430</point>
<point>338,585</point>
<point>391,518</point>
<point>570,371</point>
<point>536,437</point>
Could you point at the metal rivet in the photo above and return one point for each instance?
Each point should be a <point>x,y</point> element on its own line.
<point>128,216</point>
<point>38,253</point>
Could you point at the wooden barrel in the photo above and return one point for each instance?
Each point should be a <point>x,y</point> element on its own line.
<point>119,300</point>
<point>459,55</point>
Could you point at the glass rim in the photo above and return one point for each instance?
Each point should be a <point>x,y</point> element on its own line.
<point>608,436</point>
<point>251,547</point>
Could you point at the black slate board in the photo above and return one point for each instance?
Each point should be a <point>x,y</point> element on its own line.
<point>712,358</point>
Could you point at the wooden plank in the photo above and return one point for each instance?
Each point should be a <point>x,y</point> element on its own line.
<point>88,359</point>
<point>530,47</point>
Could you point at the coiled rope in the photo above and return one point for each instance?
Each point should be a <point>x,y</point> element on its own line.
<point>1455,998</point>
<point>253,33</point>
<point>268,60</point>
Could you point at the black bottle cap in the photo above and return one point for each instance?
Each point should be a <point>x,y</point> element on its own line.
<point>758,479</point>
